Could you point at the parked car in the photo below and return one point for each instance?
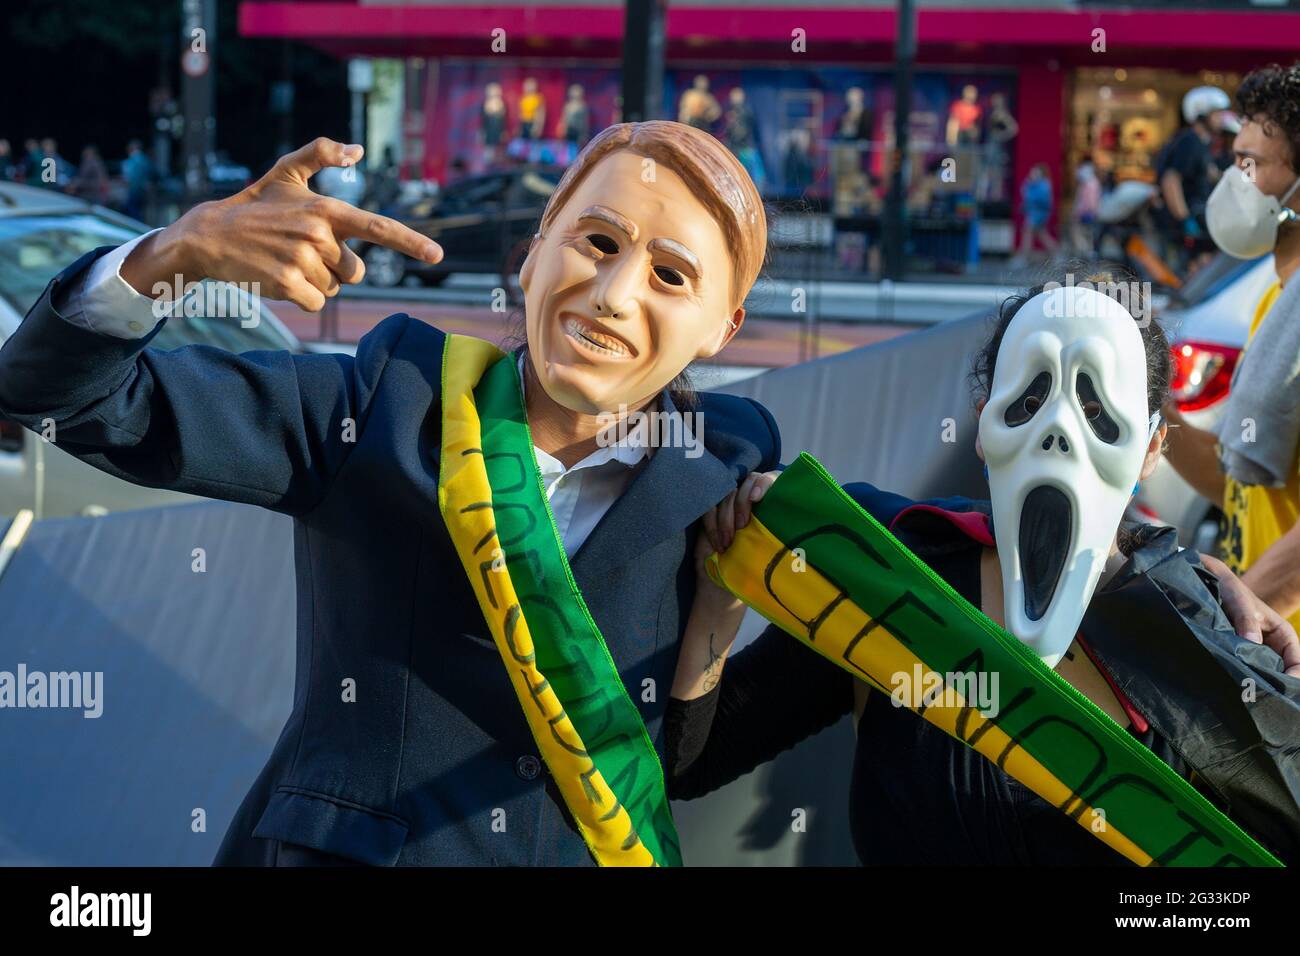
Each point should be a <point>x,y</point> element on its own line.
<point>483,224</point>
<point>42,232</point>
<point>226,177</point>
<point>1207,328</point>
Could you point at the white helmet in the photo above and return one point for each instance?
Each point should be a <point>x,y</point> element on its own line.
<point>1203,101</point>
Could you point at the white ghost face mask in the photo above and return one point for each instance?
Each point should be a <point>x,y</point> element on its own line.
<point>1065,431</point>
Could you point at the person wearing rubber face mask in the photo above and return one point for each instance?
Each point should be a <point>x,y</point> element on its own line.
<point>1070,391</point>
<point>502,574</point>
<point>1251,466</point>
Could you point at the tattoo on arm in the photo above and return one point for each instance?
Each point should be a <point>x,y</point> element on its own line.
<point>712,672</point>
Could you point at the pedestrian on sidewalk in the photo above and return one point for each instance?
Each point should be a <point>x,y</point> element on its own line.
<point>1037,203</point>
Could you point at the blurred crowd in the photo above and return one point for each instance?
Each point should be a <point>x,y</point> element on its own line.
<point>42,165</point>
<point>1166,219</point>
<point>136,186</point>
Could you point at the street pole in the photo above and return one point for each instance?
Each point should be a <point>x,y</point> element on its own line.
<point>643,60</point>
<point>198,93</point>
<point>282,93</point>
<point>896,204</point>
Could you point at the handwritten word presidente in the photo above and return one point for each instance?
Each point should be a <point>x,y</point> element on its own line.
<point>516,525</point>
<point>914,619</point>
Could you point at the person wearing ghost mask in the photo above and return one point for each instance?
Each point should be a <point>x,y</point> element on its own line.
<point>1069,423</point>
<point>1064,435</point>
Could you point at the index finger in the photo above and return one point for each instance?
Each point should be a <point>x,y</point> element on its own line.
<point>353,223</point>
<point>305,162</point>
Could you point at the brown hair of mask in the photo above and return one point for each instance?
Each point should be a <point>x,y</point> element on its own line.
<point>707,167</point>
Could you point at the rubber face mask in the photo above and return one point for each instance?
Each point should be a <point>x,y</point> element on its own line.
<point>1065,431</point>
<point>628,287</point>
<point>1243,221</point>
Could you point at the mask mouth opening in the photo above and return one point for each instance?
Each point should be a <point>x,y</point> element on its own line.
<point>1046,530</point>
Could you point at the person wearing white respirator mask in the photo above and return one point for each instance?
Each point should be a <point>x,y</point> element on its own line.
<point>1071,384</point>
<point>1243,219</point>
<point>1250,467</point>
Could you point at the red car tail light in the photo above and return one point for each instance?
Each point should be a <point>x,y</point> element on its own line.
<point>1202,374</point>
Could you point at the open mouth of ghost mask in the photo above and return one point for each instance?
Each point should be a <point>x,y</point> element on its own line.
<point>1046,527</point>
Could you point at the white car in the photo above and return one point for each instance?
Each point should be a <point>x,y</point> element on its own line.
<point>41,233</point>
<point>1207,329</point>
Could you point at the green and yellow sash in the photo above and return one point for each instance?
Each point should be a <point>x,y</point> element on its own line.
<point>824,570</point>
<point>587,728</point>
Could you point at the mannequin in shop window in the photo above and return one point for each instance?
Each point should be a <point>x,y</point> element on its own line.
<point>532,111</point>
<point>740,133</point>
<point>698,107</point>
<point>964,118</point>
<point>575,118</point>
<point>492,127</point>
<point>1001,129</point>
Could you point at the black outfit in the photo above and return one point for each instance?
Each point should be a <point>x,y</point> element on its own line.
<point>577,125</point>
<point>919,796</point>
<point>854,126</point>
<point>1189,156</point>
<point>494,126</point>
<point>998,124</point>
<point>435,747</point>
<point>797,168</point>
<point>740,129</point>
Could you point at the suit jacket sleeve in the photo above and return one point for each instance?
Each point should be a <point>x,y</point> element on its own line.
<point>269,428</point>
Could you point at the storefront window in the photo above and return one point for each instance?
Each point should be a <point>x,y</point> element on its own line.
<point>816,141</point>
<point>1121,118</point>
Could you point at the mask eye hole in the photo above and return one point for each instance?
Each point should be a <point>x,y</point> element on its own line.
<point>1030,401</point>
<point>1094,410</point>
<point>669,276</point>
<point>604,243</point>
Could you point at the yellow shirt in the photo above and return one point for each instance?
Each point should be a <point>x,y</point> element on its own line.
<point>1257,516</point>
<point>528,104</point>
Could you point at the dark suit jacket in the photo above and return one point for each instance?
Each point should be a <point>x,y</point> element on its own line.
<point>434,757</point>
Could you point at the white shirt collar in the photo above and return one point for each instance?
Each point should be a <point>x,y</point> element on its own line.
<point>631,451</point>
